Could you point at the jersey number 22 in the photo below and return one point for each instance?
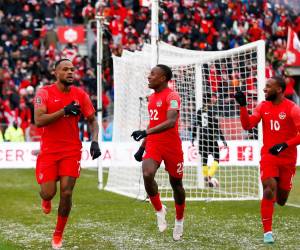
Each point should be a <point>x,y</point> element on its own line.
<point>153,114</point>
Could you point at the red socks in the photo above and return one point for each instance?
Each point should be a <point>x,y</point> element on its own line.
<point>155,200</point>
<point>266,211</point>
<point>46,206</point>
<point>60,225</point>
<point>179,211</point>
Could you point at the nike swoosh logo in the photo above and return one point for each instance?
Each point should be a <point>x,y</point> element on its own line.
<point>266,113</point>
<point>139,137</point>
<point>56,100</point>
<point>278,150</point>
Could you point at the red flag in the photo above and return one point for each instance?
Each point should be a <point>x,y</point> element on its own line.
<point>293,49</point>
<point>67,34</point>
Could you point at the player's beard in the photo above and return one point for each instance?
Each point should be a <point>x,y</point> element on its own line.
<point>271,97</point>
<point>66,83</point>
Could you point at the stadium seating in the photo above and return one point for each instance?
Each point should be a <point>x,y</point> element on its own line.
<point>29,45</point>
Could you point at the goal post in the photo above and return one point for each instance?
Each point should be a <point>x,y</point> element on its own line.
<point>204,81</point>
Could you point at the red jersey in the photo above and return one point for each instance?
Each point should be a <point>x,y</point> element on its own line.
<point>63,134</point>
<point>281,123</point>
<point>159,104</point>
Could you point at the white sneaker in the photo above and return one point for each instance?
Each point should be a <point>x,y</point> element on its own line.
<point>161,219</point>
<point>178,229</point>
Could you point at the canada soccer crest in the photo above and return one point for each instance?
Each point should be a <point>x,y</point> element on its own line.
<point>282,115</point>
<point>159,103</point>
<point>38,100</point>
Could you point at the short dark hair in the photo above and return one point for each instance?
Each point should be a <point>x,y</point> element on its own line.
<point>167,71</point>
<point>280,81</point>
<point>59,61</point>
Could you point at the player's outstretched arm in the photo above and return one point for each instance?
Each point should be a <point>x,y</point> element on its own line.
<point>240,98</point>
<point>94,127</point>
<point>244,116</point>
<point>248,122</point>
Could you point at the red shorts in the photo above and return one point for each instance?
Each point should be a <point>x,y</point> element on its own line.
<point>172,156</point>
<point>281,168</point>
<point>49,167</point>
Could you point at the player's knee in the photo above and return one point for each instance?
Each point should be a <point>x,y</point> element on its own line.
<point>179,190</point>
<point>148,174</point>
<point>67,193</point>
<point>176,184</point>
<point>268,193</point>
<point>48,194</point>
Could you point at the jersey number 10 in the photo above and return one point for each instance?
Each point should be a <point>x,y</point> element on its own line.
<point>275,125</point>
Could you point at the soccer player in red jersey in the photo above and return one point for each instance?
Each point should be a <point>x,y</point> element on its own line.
<point>57,110</point>
<point>281,127</point>
<point>163,144</point>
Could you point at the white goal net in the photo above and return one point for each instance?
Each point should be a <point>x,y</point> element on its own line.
<point>223,162</point>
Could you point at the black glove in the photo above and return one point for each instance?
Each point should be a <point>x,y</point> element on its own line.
<point>139,134</point>
<point>138,156</point>
<point>277,148</point>
<point>72,109</point>
<point>240,98</point>
<point>225,143</point>
<point>95,150</point>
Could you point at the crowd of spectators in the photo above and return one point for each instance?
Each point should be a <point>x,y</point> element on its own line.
<point>29,45</point>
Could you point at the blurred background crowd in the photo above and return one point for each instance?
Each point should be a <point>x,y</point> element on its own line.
<point>29,45</point>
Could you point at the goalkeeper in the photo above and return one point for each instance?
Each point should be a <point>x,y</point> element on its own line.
<point>207,125</point>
